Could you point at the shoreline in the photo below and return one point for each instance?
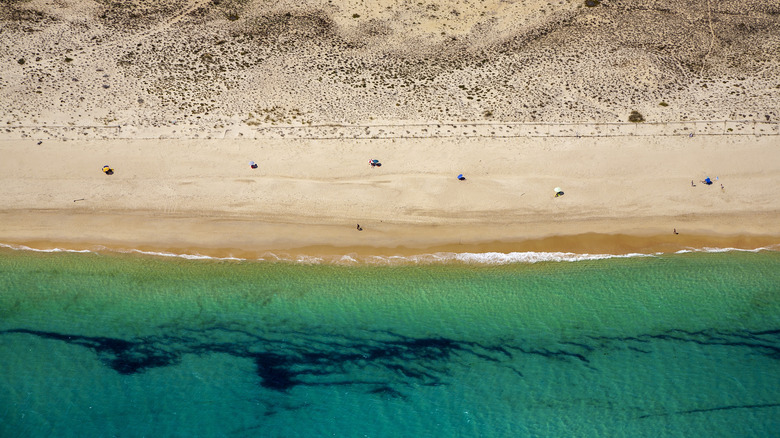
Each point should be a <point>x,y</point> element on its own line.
<point>492,253</point>
<point>211,238</point>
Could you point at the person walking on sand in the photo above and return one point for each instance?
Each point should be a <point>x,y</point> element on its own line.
<point>359,228</point>
<point>675,231</point>
<point>692,184</point>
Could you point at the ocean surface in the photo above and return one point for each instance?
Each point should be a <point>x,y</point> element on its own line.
<point>132,345</point>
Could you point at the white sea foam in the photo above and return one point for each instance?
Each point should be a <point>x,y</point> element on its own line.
<point>484,258</point>
<point>27,248</point>
<point>710,249</point>
<point>102,249</point>
<point>536,257</point>
<point>183,256</point>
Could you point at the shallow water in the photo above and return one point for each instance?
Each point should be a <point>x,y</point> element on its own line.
<point>128,345</point>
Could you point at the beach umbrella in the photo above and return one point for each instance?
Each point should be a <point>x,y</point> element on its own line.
<point>251,163</point>
<point>106,168</point>
<point>557,190</point>
<point>461,177</point>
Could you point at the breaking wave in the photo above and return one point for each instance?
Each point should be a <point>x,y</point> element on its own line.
<point>483,258</point>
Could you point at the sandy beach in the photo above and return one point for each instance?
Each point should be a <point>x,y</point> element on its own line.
<point>178,96</point>
<point>307,196</point>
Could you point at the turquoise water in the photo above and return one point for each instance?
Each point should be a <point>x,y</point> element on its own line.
<point>99,345</point>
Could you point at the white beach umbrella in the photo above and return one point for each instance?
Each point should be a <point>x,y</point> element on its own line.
<point>557,189</point>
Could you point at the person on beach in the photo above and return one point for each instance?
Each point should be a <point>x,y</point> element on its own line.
<point>675,231</point>
<point>692,184</point>
<point>359,228</point>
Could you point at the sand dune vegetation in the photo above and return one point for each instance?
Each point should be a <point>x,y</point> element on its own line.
<point>249,62</point>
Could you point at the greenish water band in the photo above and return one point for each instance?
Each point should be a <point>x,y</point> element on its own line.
<point>690,291</point>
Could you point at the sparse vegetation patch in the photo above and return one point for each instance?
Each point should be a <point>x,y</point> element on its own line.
<point>222,59</point>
